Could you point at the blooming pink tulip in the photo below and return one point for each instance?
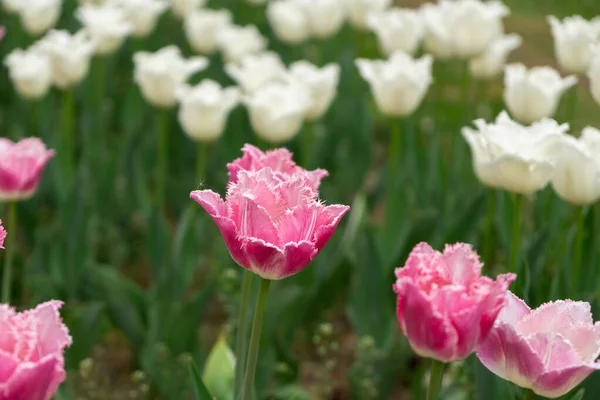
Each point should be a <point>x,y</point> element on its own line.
<point>279,160</point>
<point>550,349</point>
<point>21,167</point>
<point>445,307</point>
<point>31,352</point>
<point>272,223</point>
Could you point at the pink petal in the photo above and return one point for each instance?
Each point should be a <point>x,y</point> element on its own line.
<point>462,263</point>
<point>8,365</point>
<point>298,256</point>
<point>2,235</point>
<point>557,383</point>
<point>418,259</point>
<point>331,218</point>
<point>558,316</point>
<point>514,309</point>
<point>265,259</point>
<point>34,381</point>
<point>253,221</point>
<point>554,350</point>
<point>52,334</point>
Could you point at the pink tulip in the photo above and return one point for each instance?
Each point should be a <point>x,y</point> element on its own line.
<point>445,307</point>
<point>2,32</point>
<point>21,167</point>
<point>2,235</point>
<point>31,352</point>
<point>279,160</point>
<point>550,349</point>
<point>272,223</point>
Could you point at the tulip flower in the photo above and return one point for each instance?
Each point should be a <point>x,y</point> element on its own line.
<point>106,25</point>
<point>549,350</point>
<point>321,84</point>
<point>593,73</point>
<point>236,42</point>
<point>2,32</point>
<point>490,64</point>
<point>30,72</point>
<point>11,6</point>
<point>182,8</point>
<point>437,37</point>
<point>142,15</point>
<point>255,70</point>
<point>37,16</point>
<point>573,40</point>
<point>288,21</point>
<point>533,94</point>
<point>202,27</point>
<point>324,17</point>
<point>399,83</point>
<point>397,29</point>
<point>358,10</point>
<point>159,74</point>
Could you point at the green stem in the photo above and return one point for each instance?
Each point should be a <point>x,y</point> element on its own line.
<point>578,250</point>
<point>394,152</point>
<point>259,314</point>
<point>435,379</point>
<point>530,395</point>
<point>11,229</point>
<point>242,329</point>
<point>67,137</point>
<point>489,227</point>
<point>162,156</point>
<point>516,232</point>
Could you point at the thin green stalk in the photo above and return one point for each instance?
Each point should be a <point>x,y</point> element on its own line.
<point>11,229</point>
<point>435,379</point>
<point>578,251</point>
<point>241,340</point>
<point>307,137</point>
<point>489,227</point>
<point>516,233</point>
<point>394,152</point>
<point>201,161</point>
<point>530,395</point>
<point>259,314</point>
<point>162,157</point>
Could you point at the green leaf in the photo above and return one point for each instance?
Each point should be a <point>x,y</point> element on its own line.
<point>292,392</point>
<point>219,370</point>
<point>200,390</point>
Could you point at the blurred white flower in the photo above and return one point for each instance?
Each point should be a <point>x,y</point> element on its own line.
<point>490,64</point>
<point>594,73</point>
<point>358,10</point>
<point>69,56</point>
<point>399,83</point>
<point>511,156</point>
<point>106,25</point>
<point>321,84</point>
<point>397,29</point>
<point>288,21</point>
<point>37,16</point>
<point>437,38</point>
<point>11,6</point>
<point>533,94</point>
<point>29,70</point>
<point>254,70</point>
<point>576,176</point>
<point>182,8</point>
<point>159,74</point>
<point>573,38</point>
<point>204,109</point>
<point>324,17</point>
<point>142,15</point>
<point>277,110</point>
<point>202,26</point>
<point>236,42</point>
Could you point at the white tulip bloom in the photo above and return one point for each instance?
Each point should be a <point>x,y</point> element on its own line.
<point>514,157</point>
<point>577,172</point>
<point>277,110</point>
<point>159,74</point>
<point>204,109</point>
<point>288,21</point>
<point>236,42</point>
<point>398,84</point>
<point>490,64</point>
<point>437,38</point>
<point>11,6</point>
<point>69,56</point>
<point>594,73</point>
<point>324,17</point>
<point>321,84</point>
<point>358,10</point>
<point>397,29</point>
<point>202,27</point>
<point>573,39</point>
<point>142,15</point>
<point>255,70</point>
<point>106,25</point>
<point>37,16</point>
<point>182,8</point>
<point>30,72</point>
<point>533,94</point>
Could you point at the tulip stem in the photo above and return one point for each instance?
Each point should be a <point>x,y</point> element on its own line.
<point>435,379</point>
<point>578,250</point>
<point>489,227</point>
<point>259,313</point>
<point>394,151</point>
<point>242,329</point>
<point>516,232</point>
<point>530,395</point>
<point>161,165</point>
<point>11,229</point>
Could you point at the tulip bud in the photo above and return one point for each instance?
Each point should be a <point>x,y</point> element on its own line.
<point>324,17</point>
<point>182,8</point>
<point>399,83</point>
<point>358,10</point>
<point>573,39</point>
<point>142,15</point>
<point>490,64</point>
<point>397,29</point>
<point>320,83</point>
<point>159,74</point>
<point>204,109</point>
<point>533,94</point>
<point>202,26</point>
<point>235,42</point>
<point>107,26</point>
<point>30,72</point>
<point>255,70</point>
<point>37,16</point>
<point>288,21</point>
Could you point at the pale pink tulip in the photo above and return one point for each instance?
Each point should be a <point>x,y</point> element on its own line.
<point>272,223</point>
<point>31,352</point>
<point>21,167</point>
<point>445,307</point>
<point>279,160</point>
<point>550,349</point>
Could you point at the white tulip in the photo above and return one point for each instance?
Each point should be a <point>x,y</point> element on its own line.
<point>514,157</point>
<point>490,64</point>
<point>69,56</point>
<point>358,10</point>
<point>37,16</point>
<point>324,17</point>
<point>204,109</point>
<point>277,110</point>
<point>288,21</point>
<point>236,42</point>
<point>142,15</point>
<point>202,26</point>
<point>106,25</point>
<point>397,29</point>
<point>182,8</point>
<point>533,94</point>
<point>437,38</point>
<point>255,70</point>
<point>30,72</point>
<point>573,38</point>
<point>594,73</point>
<point>11,6</point>
<point>321,84</point>
<point>398,84</point>
<point>159,74</point>
<point>577,173</point>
